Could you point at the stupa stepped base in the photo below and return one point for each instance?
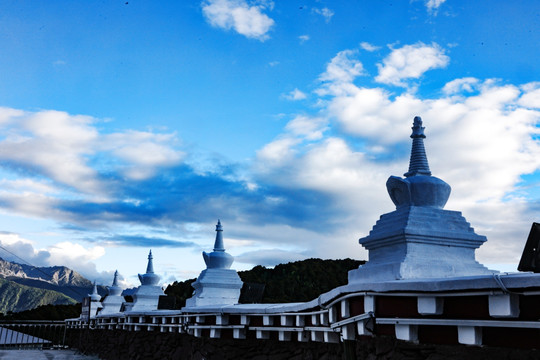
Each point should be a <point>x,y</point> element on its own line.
<point>214,287</point>
<point>421,261</point>
<point>430,225</point>
<point>146,298</point>
<point>415,242</point>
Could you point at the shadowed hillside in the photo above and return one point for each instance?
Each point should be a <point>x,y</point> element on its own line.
<point>15,297</point>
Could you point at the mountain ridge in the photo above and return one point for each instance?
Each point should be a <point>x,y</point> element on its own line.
<point>56,285</point>
<point>57,275</point>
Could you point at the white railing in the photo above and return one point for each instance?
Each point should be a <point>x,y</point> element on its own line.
<point>335,321</point>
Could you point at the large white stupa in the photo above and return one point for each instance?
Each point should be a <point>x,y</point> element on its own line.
<point>218,284</point>
<point>419,239</point>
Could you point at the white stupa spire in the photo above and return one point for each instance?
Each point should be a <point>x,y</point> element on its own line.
<point>115,280</point>
<point>218,245</point>
<point>219,258</point>
<point>418,164</point>
<point>114,289</point>
<point>150,266</point>
<point>95,295</point>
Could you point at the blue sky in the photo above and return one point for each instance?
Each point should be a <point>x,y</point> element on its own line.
<point>130,125</point>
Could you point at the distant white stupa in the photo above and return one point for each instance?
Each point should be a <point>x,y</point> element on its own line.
<point>146,296</point>
<point>113,301</point>
<point>95,302</point>
<point>218,284</point>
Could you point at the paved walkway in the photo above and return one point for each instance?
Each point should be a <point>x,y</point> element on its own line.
<point>43,355</point>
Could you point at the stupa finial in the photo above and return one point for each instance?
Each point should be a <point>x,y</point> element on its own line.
<point>150,267</point>
<point>149,278</point>
<point>218,245</point>
<point>114,289</point>
<point>418,164</point>
<point>95,295</point>
<point>115,281</point>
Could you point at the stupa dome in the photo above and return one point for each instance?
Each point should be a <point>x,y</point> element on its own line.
<point>149,278</point>
<point>418,188</point>
<point>218,259</point>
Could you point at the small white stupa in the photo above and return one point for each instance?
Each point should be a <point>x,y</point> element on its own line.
<point>95,302</point>
<point>218,284</point>
<point>146,296</point>
<point>113,301</point>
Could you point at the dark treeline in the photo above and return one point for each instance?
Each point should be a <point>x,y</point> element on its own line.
<point>45,312</point>
<point>292,282</point>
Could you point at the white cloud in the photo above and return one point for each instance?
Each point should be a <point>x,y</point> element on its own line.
<point>342,67</point>
<point>333,166</point>
<point>56,144</point>
<point>295,95</point>
<point>71,255</point>
<point>277,152</point>
<point>280,152</point>
<point>8,115</point>
<point>11,239</point>
<point>410,62</point>
<point>27,186</point>
<point>245,19</point>
<point>468,84</point>
<point>433,5</point>
<point>368,47</point>
<point>370,112</point>
<point>531,97</point>
<point>310,128</point>
<point>303,38</point>
<point>143,152</point>
<point>57,156</point>
<point>31,204</point>
<point>325,12</point>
